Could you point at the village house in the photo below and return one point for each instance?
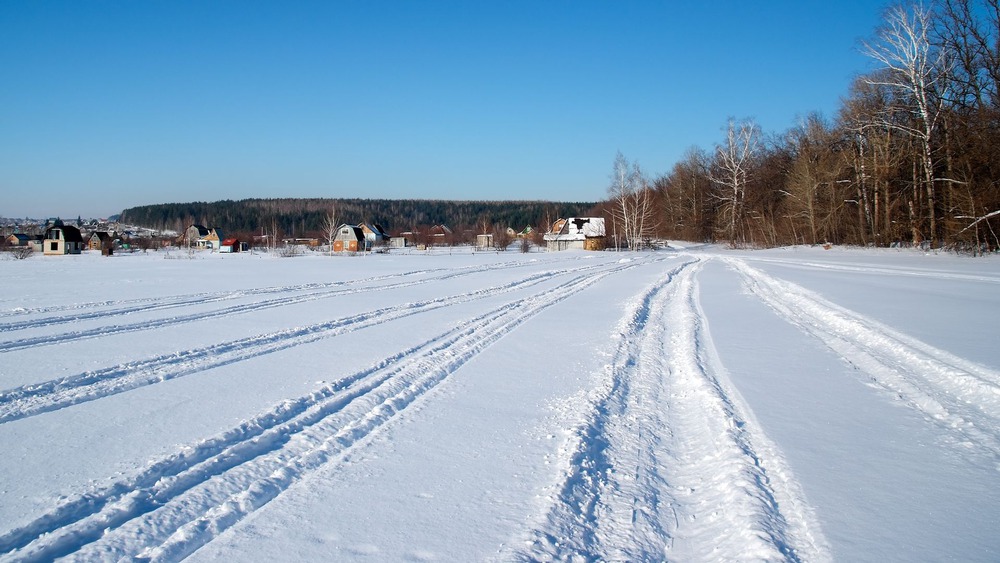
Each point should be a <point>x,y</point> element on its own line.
<point>375,234</point>
<point>233,244</point>
<point>580,233</point>
<point>439,235</point>
<point>100,240</point>
<point>201,237</point>
<point>350,238</point>
<point>62,239</point>
<point>19,239</point>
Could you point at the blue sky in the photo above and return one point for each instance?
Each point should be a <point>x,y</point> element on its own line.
<point>111,104</point>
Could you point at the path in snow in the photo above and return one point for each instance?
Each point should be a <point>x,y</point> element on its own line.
<point>669,463</point>
<point>961,396</point>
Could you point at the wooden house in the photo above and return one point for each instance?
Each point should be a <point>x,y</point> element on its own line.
<point>375,234</point>
<point>100,240</point>
<point>350,238</point>
<point>212,241</point>
<point>439,235</point>
<point>201,237</point>
<point>233,244</point>
<point>579,233</point>
<point>19,239</point>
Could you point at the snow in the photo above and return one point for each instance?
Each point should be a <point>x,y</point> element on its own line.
<point>694,404</point>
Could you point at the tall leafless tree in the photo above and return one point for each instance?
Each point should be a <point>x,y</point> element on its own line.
<point>919,70</point>
<point>330,225</point>
<point>734,161</point>
<point>632,197</point>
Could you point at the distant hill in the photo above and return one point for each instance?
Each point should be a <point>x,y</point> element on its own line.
<point>302,217</point>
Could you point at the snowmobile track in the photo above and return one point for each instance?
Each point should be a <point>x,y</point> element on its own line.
<point>314,292</point>
<point>956,394</point>
<point>180,502</point>
<point>37,398</point>
<point>668,462</point>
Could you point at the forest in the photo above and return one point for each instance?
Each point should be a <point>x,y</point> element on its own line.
<point>912,157</point>
<point>307,217</point>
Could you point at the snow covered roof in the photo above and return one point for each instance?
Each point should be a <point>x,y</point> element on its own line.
<point>578,228</point>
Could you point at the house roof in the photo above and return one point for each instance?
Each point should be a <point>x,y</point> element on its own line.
<point>356,231</point>
<point>69,233</point>
<point>375,229</point>
<point>578,228</point>
<point>230,241</point>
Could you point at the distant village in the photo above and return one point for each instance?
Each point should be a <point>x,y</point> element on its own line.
<point>56,237</point>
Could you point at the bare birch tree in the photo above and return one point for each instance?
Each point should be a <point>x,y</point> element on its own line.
<point>330,225</point>
<point>917,69</point>
<point>632,198</point>
<point>734,161</point>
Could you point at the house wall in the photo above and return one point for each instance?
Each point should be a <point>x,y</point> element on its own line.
<point>345,246</point>
<point>563,244</point>
<point>53,247</point>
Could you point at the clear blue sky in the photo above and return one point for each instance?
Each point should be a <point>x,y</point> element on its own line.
<point>109,104</point>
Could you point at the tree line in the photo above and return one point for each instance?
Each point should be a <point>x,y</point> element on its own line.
<point>911,157</point>
<point>309,217</point>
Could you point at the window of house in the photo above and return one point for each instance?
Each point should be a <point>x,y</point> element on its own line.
<point>53,246</point>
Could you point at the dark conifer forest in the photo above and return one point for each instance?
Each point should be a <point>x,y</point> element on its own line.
<point>305,217</point>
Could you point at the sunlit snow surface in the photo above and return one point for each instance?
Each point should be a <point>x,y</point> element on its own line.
<point>691,404</point>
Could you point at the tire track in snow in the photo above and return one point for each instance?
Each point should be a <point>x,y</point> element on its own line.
<point>183,501</point>
<point>960,396</point>
<point>79,311</point>
<point>339,290</point>
<point>37,398</point>
<point>127,306</point>
<point>875,270</point>
<point>669,463</point>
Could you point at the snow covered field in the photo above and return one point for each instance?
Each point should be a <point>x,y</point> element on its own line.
<point>698,404</point>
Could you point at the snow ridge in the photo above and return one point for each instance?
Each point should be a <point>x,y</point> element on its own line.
<point>183,501</point>
<point>668,463</point>
<point>962,397</point>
